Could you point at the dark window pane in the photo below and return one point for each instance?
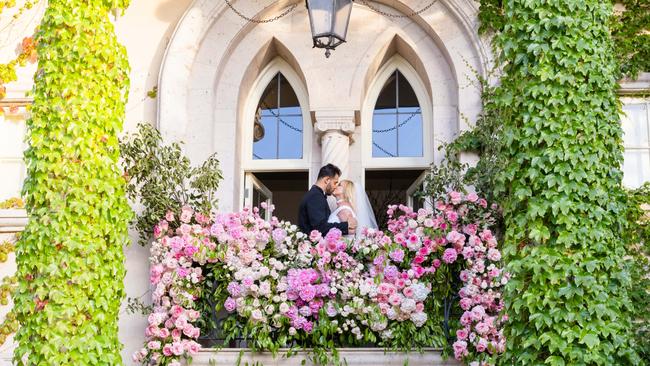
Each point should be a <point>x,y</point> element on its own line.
<point>387,97</point>
<point>269,100</point>
<point>288,97</point>
<point>406,93</point>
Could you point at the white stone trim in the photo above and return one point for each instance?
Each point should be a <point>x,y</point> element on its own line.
<point>640,85</point>
<point>263,80</point>
<point>397,62</point>
<point>353,356</point>
<point>246,145</point>
<point>12,220</point>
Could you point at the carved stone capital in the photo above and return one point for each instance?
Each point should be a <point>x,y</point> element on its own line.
<point>335,121</point>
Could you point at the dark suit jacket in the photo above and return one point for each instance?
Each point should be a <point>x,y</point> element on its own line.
<point>314,212</point>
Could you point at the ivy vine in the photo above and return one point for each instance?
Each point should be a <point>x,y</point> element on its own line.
<point>564,206</point>
<point>70,259</point>
<point>629,27</point>
<point>8,70</point>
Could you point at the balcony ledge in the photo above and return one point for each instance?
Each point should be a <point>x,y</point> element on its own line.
<point>353,356</point>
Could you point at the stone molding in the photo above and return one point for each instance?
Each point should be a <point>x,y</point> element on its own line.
<point>352,356</point>
<point>340,121</point>
<point>12,220</point>
<point>640,85</point>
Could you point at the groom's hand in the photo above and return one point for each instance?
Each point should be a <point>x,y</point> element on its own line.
<point>352,225</point>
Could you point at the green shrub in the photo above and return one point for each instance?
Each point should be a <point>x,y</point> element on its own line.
<point>161,178</point>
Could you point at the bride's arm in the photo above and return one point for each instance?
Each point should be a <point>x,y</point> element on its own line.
<point>344,215</point>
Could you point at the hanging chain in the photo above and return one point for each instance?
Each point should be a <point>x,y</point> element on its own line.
<point>260,21</point>
<point>280,118</point>
<point>399,125</point>
<point>391,15</point>
<point>383,150</point>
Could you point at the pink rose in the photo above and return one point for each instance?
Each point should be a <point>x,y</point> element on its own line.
<point>450,255</point>
<point>481,346</point>
<point>230,304</point>
<point>465,303</point>
<point>455,197</point>
<point>169,216</point>
<point>462,333</point>
<point>493,255</point>
<point>177,348</point>
<point>167,350</point>
<point>397,255</point>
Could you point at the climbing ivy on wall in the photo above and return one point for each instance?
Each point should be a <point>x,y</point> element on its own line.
<point>629,27</point>
<point>70,260</point>
<point>564,208</point>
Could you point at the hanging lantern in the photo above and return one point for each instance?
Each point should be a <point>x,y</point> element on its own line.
<point>258,127</point>
<point>329,22</point>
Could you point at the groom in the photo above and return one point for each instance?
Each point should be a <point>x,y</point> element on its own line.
<point>314,210</point>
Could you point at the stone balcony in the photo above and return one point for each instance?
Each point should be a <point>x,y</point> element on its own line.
<point>349,356</point>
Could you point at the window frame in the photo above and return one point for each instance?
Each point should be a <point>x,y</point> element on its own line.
<point>627,147</point>
<point>266,76</point>
<point>397,63</point>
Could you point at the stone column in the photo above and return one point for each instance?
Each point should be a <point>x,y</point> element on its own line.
<point>335,128</point>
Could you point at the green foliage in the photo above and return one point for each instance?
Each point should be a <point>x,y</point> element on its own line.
<point>485,140</point>
<point>564,207</point>
<point>160,177</point>
<point>70,257</point>
<point>638,239</point>
<point>630,29</point>
<point>629,26</point>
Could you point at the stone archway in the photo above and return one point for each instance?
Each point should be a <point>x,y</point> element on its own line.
<point>214,55</point>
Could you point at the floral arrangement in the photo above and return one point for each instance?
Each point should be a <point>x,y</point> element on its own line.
<point>283,288</point>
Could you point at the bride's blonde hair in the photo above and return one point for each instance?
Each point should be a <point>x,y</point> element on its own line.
<point>348,192</point>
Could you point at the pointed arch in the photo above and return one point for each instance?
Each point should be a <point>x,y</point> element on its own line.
<point>397,64</point>
<point>389,46</point>
<point>277,66</point>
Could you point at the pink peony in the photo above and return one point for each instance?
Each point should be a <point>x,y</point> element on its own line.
<point>493,255</point>
<point>167,350</point>
<point>169,216</point>
<point>307,293</point>
<point>397,255</point>
<point>450,255</point>
<point>455,197</point>
<point>462,333</point>
<point>177,348</point>
<point>482,344</point>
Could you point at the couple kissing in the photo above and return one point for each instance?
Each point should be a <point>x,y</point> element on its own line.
<point>352,214</point>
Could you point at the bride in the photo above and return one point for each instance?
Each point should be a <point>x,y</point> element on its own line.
<point>352,201</point>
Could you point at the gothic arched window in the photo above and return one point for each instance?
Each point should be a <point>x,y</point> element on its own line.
<point>397,120</point>
<point>278,124</point>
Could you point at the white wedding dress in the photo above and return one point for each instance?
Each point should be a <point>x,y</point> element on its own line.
<point>365,216</point>
<point>334,216</point>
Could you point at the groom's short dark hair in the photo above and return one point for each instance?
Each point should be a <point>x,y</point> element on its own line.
<point>329,170</point>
